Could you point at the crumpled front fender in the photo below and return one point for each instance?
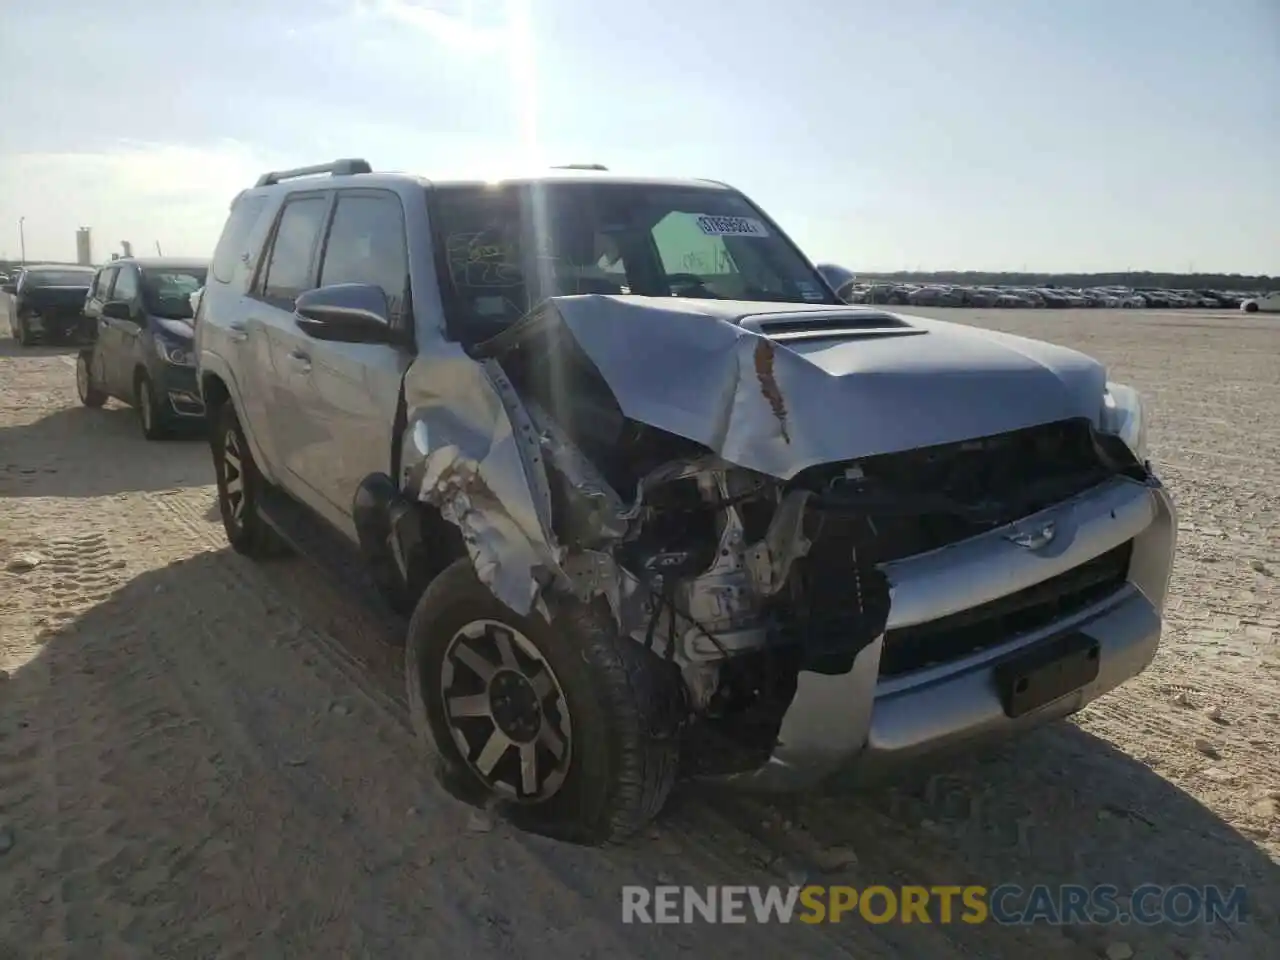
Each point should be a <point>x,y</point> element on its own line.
<point>470,450</point>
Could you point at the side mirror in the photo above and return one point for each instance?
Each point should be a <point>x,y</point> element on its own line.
<point>11,288</point>
<point>345,313</point>
<point>117,310</point>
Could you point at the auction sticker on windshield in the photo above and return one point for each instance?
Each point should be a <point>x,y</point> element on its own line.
<point>731,226</point>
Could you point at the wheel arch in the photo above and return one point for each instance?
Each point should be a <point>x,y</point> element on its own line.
<point>218,388</point>
<point>404,543</point>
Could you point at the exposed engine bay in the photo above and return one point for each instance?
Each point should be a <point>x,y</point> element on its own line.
<point>741,579</point>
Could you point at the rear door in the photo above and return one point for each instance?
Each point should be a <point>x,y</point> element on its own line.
<point>280,364</point>
<point>122,335</point>
<point>355,387</point>
<point>99,294</point>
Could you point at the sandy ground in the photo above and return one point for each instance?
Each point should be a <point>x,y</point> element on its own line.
<point>200,757</point>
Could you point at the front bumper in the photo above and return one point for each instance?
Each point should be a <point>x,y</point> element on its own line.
<point>861,723</point>
<point>180,391</point>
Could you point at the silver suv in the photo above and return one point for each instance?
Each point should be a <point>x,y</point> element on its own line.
<point>658,503</point>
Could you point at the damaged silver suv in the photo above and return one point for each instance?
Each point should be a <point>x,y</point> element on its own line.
<point>658,503</point>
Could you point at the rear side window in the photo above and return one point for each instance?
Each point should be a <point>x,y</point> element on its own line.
<point>289,269</point>
<point>105,279</point>
<point>367,245</point>
<point>126,285</point>
<point>234,242</point>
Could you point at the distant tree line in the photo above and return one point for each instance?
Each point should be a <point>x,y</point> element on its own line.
<point>1135,280</point>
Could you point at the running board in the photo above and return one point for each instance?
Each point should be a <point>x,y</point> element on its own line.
<point>316,541</point>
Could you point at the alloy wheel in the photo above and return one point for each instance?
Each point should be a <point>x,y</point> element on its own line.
<point>506,711</point>
<point>233,475</point>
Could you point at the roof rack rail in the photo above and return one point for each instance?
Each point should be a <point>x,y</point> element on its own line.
<point>338,168</point>
<point>581,166</point>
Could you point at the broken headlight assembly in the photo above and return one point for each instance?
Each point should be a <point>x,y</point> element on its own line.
<point>1123,416</point>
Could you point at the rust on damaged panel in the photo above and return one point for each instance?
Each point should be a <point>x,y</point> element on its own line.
<point>769,384</point>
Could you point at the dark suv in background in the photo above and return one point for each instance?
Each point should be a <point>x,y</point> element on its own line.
<point>142,352</point>
<point>47,303</point>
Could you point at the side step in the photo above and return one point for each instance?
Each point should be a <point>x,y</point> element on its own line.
<point>313,539</point>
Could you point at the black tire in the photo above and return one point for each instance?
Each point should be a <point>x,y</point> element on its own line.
<point>89,393</point>
<point>1250,308</point>
<point>153,420</point>
<point>623,704</point>
<point>24,337</point>
<point>236,474</point>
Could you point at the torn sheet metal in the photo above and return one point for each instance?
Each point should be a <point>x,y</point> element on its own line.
<point>470,450</point>
<point>695,369</point>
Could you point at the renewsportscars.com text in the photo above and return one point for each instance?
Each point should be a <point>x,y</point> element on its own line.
<point>1148,904</point>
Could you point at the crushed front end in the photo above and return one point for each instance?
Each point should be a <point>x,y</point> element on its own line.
<point>841,613</point>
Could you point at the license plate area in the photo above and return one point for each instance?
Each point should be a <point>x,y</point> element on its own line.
<point>1047,673</point>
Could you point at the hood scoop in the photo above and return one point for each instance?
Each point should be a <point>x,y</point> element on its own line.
<point>824,325</point>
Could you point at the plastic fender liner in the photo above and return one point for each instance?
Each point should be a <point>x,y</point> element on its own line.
<point>371,515</point>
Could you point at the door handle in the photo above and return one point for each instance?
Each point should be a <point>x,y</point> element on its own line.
<point>237,333</point>
<point>300,360</point>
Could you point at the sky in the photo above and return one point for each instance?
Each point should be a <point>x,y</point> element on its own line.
<point>1092,135</point>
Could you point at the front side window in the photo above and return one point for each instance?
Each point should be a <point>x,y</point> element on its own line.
<point>506,248</point>
<point>367,245</point>
<point>289,269</point>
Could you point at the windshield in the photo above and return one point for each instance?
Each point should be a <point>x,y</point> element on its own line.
<point>507,248</point>
<point>58,278</point>
<point>168,290</point>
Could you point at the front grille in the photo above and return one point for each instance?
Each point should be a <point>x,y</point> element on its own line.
<point>927,498</point>
<point>999,621</point>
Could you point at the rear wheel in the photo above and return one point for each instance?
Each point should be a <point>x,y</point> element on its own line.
<point>571,729</point>
<point>1250,308</point>
<point>88,391</point>
<point>239,487</point>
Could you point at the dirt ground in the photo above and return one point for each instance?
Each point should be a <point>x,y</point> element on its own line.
<point>203,757</point>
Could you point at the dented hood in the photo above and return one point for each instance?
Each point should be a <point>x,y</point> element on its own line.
<point>781,387</point>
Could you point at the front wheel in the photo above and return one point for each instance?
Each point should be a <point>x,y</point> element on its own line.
<point>89,392</point>
<point>572,730</point>
<point>24,335</point>
<point>1250,308</point>
<point>155,425</point>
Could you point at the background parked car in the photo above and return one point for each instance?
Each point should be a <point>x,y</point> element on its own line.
<point>142,354</point>
<point>48,303</point>
<point>1267,303</point>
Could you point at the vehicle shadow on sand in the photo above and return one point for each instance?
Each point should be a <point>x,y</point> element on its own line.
<point>1060,806</point>
<point>201,683</point>
<point>80,452</point>
<point>11,348</point>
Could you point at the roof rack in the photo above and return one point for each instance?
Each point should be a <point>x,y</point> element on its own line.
<point>581,166</point>
<point>338,168</point>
